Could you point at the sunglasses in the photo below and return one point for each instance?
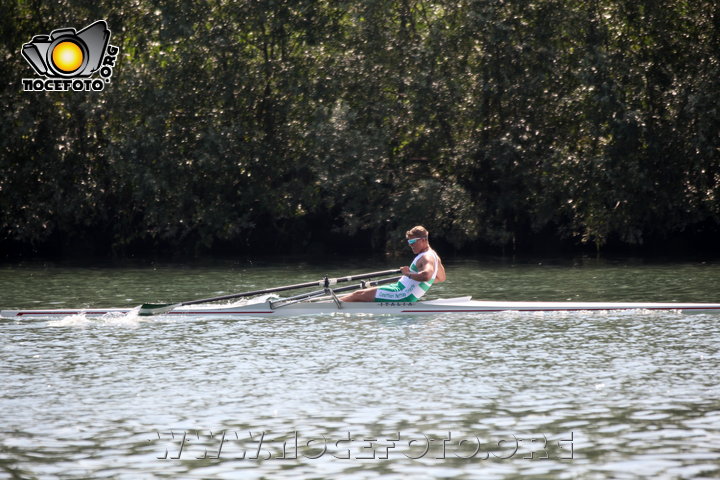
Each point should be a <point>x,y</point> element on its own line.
<point>413,240</point>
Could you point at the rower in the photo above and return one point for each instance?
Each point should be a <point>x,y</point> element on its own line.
<point>424,270</point>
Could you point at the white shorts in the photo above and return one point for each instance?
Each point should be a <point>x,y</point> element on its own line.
<point>396,292</point>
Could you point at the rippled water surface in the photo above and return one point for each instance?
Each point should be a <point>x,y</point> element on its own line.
<point>577,395</point>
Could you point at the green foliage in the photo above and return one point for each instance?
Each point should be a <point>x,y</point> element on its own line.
<point>254,123</point>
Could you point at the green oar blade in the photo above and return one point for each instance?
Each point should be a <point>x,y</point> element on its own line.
<point>148,309</point>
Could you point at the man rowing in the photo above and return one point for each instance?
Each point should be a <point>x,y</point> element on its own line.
<point>424,270</point>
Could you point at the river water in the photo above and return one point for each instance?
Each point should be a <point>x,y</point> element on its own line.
<point>493,396</point>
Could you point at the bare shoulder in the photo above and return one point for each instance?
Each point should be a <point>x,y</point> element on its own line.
<point>441,277</point>
<point>432,260</point>
<point>421,263</point>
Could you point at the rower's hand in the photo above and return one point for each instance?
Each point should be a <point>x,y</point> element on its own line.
<point>405,270</point>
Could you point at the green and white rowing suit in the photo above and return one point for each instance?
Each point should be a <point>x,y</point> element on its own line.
<point>406,289</point>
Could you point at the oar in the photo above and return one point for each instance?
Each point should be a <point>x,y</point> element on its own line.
<point>283,302</point>
<point>147,309</point>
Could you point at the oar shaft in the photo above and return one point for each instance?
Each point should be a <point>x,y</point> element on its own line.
<point>316,293</point>
<point>320,283</point>
<point>252,293</point>
<point>363,276</point>
<point>376,283</point>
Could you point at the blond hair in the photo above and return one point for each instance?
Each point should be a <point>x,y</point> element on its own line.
<point>417,231</point>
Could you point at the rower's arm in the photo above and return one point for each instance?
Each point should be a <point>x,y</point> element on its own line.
<point>441,271</point>
<point>425,272</point>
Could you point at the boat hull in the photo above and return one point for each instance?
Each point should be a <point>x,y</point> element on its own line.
<point>453,305</point>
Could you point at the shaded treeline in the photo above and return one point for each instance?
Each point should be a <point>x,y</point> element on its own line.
<point>302,124</point>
